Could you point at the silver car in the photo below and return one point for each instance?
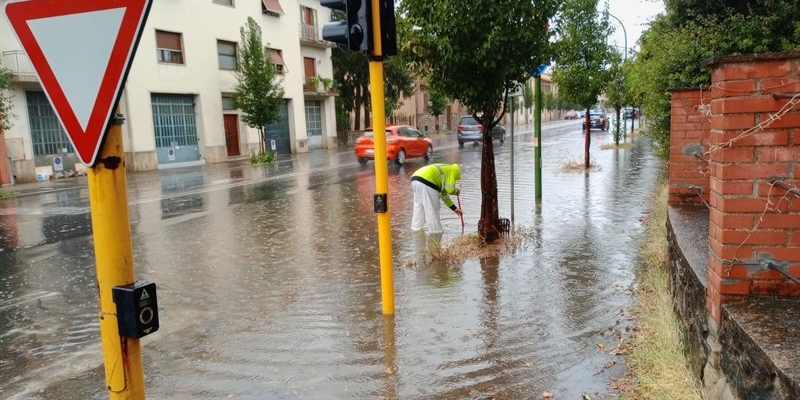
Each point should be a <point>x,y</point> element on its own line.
<point>470,130</point>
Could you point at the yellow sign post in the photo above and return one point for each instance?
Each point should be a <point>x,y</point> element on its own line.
<point>381,162</point>
<point>108,196</point>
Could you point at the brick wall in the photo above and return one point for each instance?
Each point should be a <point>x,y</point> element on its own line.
<point>689,131</point>
<point>754,139</point>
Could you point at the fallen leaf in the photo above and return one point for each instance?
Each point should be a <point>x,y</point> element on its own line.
<point>547,395</point>
<point>587,397</point>
<point>601,346</point>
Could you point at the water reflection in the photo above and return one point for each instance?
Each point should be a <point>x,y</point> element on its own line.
<point>269,285</point>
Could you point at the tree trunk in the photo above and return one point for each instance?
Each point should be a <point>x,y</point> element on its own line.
<point>587,140</point>
<point>357,109</point>
<point>633,117</point>
<point>366,100</point>
<point>261,140</point>
<point>488,226</point>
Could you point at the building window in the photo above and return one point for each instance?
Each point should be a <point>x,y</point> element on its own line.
<point>47,136</point>
<point>308,27</point>
<point>223,2</point>
<point>277,58</point>
<point>169,47</point>
<point>271,7</point>
<point>228,103</point>
<point>226,53</point>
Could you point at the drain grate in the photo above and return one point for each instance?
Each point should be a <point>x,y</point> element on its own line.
<point>505,226</point>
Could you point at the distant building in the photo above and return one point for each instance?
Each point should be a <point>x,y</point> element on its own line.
<point>415,110</point>
<point>178,99</point>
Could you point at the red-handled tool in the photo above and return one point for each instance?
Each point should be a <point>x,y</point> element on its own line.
<point>458,197</point>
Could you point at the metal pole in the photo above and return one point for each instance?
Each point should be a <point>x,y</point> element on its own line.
<point>381,163</point>
<point>624,33</point>
<point>537,130</point>
<point>513,99</point>
<point>111,230</point>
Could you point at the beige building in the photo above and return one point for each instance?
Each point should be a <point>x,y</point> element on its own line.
<point>415,110</point>
<point>178,100</point>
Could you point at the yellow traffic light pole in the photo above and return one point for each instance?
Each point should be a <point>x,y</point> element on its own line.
<point>381,162</point>
<point>113,250</point>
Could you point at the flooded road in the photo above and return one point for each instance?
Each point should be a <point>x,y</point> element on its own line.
<point>269,281</point>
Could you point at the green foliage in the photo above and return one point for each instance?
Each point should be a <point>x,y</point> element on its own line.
<point>267,157</point>
<point>528,97</point>
<point>399,83</point>
<point>351,74</point>
<point>7,194</point>
<point>438,101</point>
<point>343,122</point>
<point>475,52</point>
<point>491,43</point>
<point>581,71</point>
<point>5,99</point>
<point>257,94</point>
<point>617,92</point>
<point>691,31</point>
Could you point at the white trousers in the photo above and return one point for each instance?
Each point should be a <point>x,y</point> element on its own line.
<point>427,202</point>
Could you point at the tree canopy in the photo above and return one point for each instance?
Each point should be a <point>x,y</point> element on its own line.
<point>258,94</point>
<point>475,51</point>
<point>581,71</point>
<point>5,100</point>
<point>351,77</point>
<point>690,31</point>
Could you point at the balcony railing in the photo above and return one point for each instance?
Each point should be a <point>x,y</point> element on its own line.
<point>310,34</point>
<point>19,64</point>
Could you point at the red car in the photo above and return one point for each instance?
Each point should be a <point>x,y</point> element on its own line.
<point>571,115</point>
<point>402,142</point>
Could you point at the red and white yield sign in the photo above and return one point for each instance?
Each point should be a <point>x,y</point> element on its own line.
<point>81,51</point>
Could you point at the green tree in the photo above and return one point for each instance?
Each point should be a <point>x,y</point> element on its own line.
<point>351,74</point>
<point>438,104</point>
<point>5,100</point>
<point>258,95</point>
<point>399,83</point>
<point>617,91</point>
<point>690,31</point>
<point>475,51</point>
<point>581,66</point>
<point>527,96</point>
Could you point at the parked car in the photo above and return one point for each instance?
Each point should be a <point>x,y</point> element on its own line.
<point>571,115</point>
<point>631,112</point>
<point>470,130</point>
<point>402,142</point>
<point>597,119</point>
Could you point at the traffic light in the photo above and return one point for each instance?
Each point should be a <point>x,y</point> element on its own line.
<point>356,31</point>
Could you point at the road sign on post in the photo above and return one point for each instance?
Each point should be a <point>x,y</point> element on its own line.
<point>81,50</point>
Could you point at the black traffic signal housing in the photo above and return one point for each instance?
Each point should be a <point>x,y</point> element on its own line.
<point>356,31</point>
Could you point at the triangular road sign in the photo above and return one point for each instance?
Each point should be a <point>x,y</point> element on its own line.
<point>81,51</point>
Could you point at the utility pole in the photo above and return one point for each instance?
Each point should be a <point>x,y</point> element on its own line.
<point>370,28</point>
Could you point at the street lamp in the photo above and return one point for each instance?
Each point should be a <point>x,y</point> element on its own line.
<point>625,34</point>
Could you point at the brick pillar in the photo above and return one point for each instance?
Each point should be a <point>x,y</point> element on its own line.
<point>751,142</point>
<point>689,131</point>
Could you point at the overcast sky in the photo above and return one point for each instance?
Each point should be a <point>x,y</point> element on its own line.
<point>634,14</point>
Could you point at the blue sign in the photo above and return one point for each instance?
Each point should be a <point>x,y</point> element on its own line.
<point>538,70</point>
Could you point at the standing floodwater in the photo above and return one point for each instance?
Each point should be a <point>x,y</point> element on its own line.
<point>269,281</point>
